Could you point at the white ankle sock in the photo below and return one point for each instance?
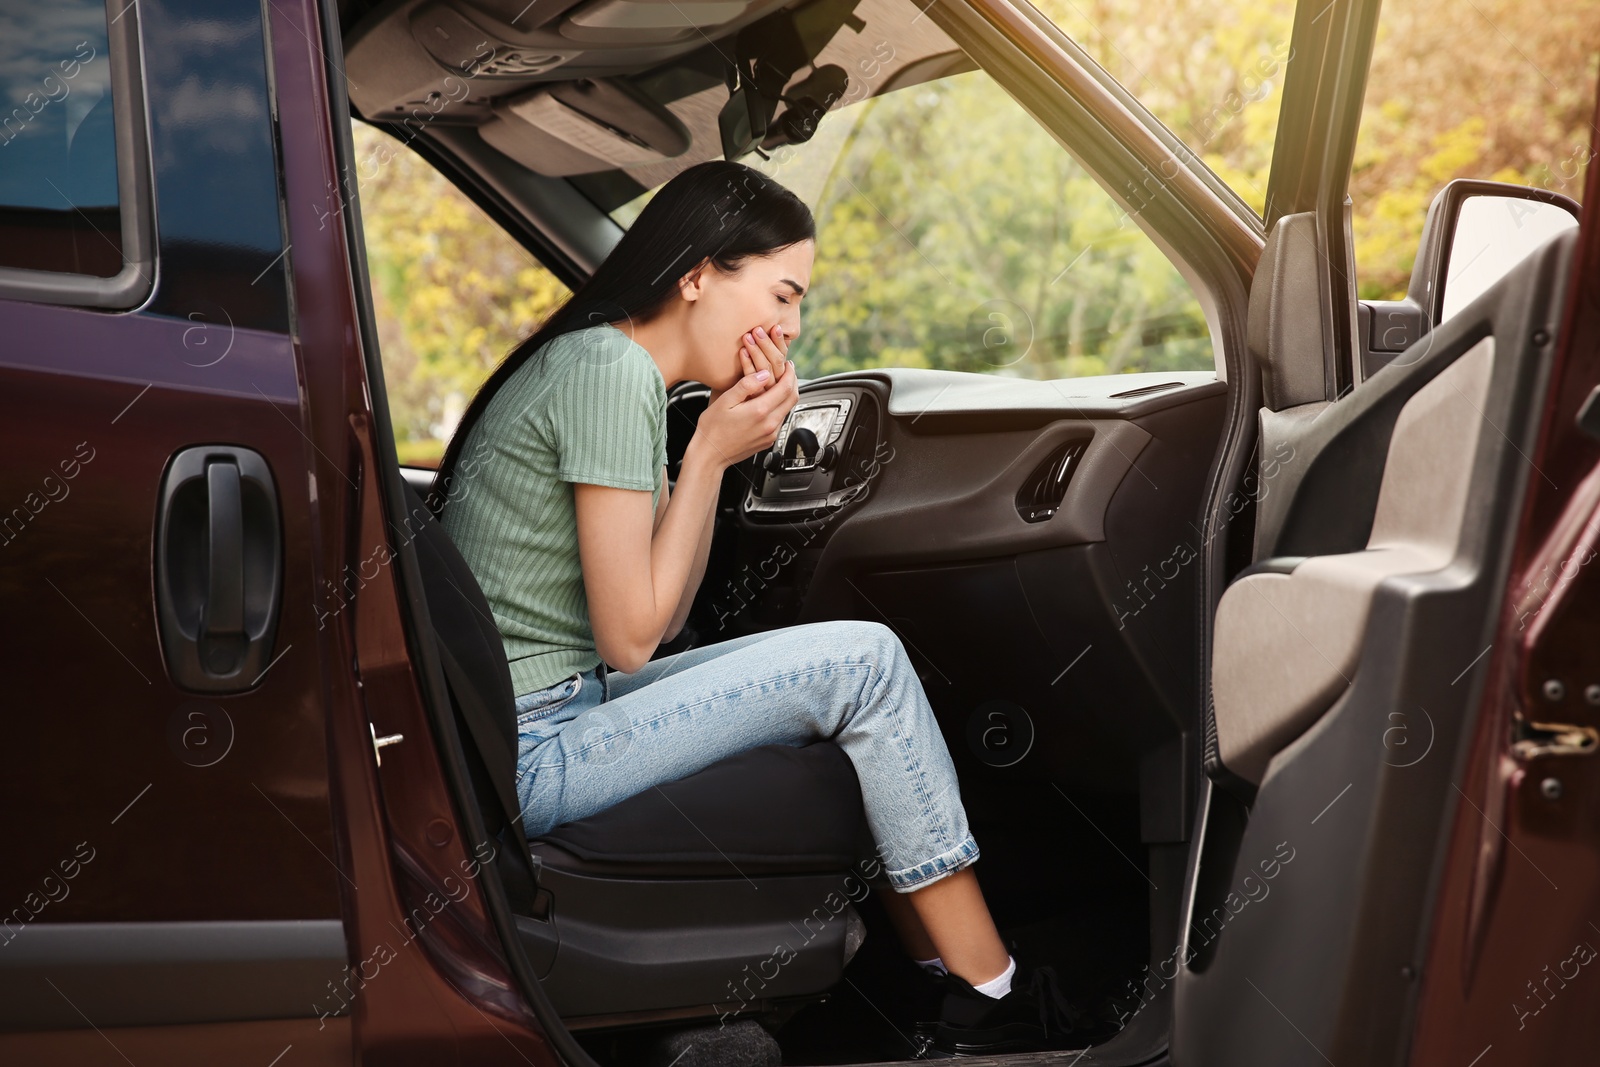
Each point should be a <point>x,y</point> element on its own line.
<point>999,985</point>
<point>936,965</point>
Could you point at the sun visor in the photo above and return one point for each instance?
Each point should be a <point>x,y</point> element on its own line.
<point>585,126</point>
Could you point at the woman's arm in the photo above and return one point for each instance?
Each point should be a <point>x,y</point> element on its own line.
<point>635,576</point>
<point>698,572</point>
<point>636,572</point>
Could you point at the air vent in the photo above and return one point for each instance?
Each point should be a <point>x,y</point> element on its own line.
<point>1040,496</point>
<point>1146,390</point>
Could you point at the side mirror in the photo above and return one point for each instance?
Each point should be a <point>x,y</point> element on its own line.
<point>1475,233</point>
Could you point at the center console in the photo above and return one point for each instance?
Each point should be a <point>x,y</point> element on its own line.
<point>824,456</point>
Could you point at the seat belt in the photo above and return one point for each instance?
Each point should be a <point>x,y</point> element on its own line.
<point>489,743</point>
<point>482,731</point>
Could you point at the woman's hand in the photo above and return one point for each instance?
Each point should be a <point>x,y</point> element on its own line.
<point>744,419</point>
<point>762,350</point>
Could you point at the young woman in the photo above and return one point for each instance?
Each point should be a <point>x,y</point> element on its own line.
<point>587,560</point>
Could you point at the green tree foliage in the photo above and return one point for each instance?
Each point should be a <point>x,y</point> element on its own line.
<point>1211,70</point>
<point>1500,89</point>
<point>954,232</point>
<point>453,293</point>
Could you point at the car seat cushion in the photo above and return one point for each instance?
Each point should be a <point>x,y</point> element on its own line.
<point>773,809</point>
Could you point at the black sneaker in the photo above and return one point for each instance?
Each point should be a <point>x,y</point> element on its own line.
<point>925,991</point>
<point>928,987</point>
<point>1032,1017</point>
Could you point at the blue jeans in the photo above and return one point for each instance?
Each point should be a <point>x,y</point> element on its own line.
<point>597,738</point>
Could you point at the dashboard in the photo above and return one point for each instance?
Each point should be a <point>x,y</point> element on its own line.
<point>830,449</point>
<point>915,468</point>
<point>961,429</point>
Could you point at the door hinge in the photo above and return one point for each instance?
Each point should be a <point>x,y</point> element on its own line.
<point>1535,739</point>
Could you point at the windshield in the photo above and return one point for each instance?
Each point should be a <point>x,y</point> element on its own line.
<point>954,232</point>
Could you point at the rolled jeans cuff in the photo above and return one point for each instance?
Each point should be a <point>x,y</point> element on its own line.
<point>909,878</point>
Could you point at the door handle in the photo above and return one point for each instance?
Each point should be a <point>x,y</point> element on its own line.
<point>218,567</point>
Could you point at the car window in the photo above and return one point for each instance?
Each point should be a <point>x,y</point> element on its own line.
<point>452,292</point>
<point>1495,90</point>
<point>954,232</point>
<point>1210,70</point>
<point>59,208</point>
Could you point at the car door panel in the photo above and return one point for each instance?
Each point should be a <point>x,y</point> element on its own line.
<point>1512,927</point>
<point>177,850</point>
<point>1289,637</point>
<point>79,559</point>
<point>1348,811</point>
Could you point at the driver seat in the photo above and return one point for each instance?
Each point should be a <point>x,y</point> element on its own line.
<point>721,893</point>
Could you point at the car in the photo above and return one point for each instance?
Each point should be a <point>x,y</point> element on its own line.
<point>1253,603</point>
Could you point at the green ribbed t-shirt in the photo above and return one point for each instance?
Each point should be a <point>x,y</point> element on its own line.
<point>589,406</point>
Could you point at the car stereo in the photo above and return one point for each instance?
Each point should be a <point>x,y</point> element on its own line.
<point>825,419</point>
<point>820,458</point>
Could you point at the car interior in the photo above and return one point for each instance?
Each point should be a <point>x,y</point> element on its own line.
<point>1039,545</point>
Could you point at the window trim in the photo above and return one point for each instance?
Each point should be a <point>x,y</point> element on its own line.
<point>133,283</point>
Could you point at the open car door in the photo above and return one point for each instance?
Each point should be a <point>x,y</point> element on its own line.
<point>1374,679</point>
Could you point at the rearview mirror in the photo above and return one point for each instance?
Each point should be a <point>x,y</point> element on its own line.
<point>1475,233</point>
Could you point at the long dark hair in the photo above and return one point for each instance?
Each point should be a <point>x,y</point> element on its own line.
<point>721,210</point>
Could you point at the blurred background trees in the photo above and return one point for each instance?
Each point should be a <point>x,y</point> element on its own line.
<point>1500,89</point>
<point>954,232</point>
<point>452,293</point>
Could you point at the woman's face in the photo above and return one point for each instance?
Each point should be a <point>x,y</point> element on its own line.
<point>766,292</point>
